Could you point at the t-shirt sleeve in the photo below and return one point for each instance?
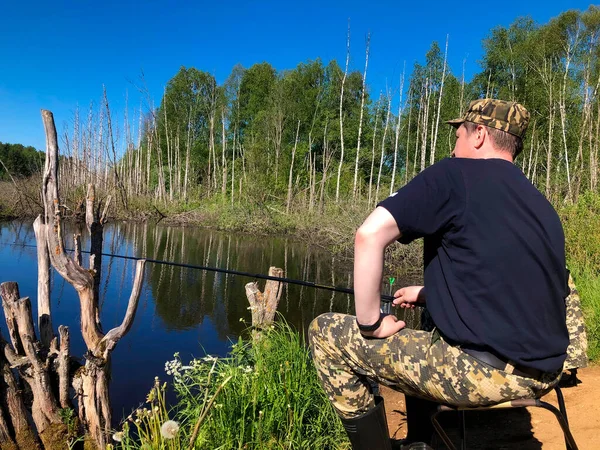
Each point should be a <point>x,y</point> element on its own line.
<point>429,203</point>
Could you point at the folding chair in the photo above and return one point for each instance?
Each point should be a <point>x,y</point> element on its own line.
<point>560,414</point>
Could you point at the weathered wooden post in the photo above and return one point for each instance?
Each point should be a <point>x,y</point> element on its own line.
<point>264,304</point>
<point>34,363</point>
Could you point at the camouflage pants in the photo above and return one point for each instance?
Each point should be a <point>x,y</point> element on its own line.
<point>577,350</point>
<point>418,363</point>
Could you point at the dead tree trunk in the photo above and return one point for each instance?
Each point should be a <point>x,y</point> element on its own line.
<point>337,186</point>
<point>91,381</point>
<point>360,122</point>
<point>34,364</point>
<point>264,304</point>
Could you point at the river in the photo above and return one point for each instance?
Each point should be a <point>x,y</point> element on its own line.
<point>189,311</point>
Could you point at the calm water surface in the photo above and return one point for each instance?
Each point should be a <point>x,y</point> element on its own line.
<point>189,311</point>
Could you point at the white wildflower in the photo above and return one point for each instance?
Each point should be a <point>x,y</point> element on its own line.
<point>118,436</point>
<point>169,429</point>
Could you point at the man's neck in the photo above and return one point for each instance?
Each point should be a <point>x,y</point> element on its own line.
<point>494,154</point>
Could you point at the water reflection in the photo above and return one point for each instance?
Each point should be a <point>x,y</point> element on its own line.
<point>181,310</point>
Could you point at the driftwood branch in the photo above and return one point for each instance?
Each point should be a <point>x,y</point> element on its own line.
<point>77,245</point>
<point>15,361</point>
<point>111,338</point>
<point>43,291</point>
<point>90,213</point>
<point>14,407</point>
<point>81,279</point>
<point>63,367</point>
<point>9,291</point>
<point>104,216</point>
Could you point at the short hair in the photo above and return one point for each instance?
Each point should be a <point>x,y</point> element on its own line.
<point>501,139</point>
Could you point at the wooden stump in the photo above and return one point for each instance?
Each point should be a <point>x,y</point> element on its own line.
<point>264,304</point>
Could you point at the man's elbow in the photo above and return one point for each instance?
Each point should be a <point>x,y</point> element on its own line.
<point>366,236</point>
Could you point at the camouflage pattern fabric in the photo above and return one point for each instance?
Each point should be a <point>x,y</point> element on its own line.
<point>577,351</point>
<point>418,363</point>
<point>511,117</point>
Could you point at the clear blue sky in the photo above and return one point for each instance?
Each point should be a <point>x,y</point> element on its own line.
<point>57,55</point>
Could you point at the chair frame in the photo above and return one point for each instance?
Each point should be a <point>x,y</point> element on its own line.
<point>560,413</point>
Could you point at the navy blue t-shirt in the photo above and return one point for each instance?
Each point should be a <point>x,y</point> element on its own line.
<point>494,257</point>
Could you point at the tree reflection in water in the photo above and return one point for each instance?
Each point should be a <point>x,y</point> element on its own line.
<point>181,310</point>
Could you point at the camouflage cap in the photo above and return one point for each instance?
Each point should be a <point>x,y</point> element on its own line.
<point>511,117</point>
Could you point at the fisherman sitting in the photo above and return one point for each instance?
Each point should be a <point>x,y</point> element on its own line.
<point>495,286</point>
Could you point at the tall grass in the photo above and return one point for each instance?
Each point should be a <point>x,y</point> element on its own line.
<point>272,401</point>
<point>264,395</point>
<point>582,230</point>
<point>588,285</point>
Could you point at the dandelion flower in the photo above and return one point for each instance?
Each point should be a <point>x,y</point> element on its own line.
<point>169,429</point>
<point>118,436</point>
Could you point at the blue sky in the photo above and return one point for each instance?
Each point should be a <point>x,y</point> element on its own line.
<point>57,55</point>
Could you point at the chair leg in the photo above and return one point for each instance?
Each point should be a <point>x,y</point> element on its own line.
<point>440,431</point>
<point>561,403</point>
<point>463,430</point>
<point>569,440</point>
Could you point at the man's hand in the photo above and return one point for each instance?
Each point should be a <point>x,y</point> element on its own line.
<point>390,325</point>
<point>407,296</point>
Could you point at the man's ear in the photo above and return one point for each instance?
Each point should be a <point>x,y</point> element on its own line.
<point>480,136</point>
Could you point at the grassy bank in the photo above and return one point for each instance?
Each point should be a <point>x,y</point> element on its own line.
<point>582,231</point>
<point>263,395</point>
<point>332,228</point>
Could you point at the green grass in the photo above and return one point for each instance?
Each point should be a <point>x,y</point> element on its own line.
<point>582,231</point>
<point>588,285</point>
<point>272,401</point>
<point>264,395</point>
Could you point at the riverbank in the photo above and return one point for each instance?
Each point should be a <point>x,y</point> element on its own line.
<point>331,228</point>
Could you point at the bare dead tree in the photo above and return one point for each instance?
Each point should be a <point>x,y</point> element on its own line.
<point>91,383</point>
<point>399,118</point>
<point>289,193</point>
<point>362,110</point>
<point>439,107</point>
<point>339,174</point>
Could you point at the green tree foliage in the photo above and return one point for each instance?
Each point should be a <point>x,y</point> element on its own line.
<point>237,139</point>
<point>20,161</point>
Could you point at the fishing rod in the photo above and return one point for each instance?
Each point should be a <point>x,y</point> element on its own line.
<point>386,299</point>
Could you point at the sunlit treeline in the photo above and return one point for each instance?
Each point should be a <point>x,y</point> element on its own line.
<point>318,133</point>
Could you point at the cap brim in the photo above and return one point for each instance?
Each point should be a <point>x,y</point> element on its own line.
<point>455,122</point>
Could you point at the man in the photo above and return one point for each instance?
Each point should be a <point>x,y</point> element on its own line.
<point>495,286</point>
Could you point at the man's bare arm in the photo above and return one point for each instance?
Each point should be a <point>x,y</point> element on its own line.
<point>377,232</point>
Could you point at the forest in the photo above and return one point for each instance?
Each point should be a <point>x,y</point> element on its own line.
<point>317,134</point>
